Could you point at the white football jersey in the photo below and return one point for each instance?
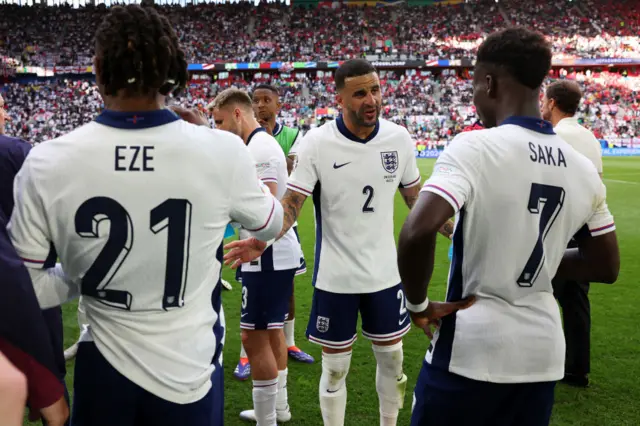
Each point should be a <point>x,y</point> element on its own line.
<point>136,208</point>
<point>520,194</point>
<point>271,165</point>
<point>353,183</point>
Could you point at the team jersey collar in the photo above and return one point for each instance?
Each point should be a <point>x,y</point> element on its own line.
<point>536,124</point>
<point>342,128</point>
<point>255,132</point>
<point>277,128</point>
<point>136,120</point>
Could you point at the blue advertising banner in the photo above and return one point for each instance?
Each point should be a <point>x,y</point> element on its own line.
<point>606,152</point>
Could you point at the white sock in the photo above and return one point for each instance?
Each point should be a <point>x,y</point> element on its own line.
<point>289,331</point>
<point>390,382</point>
<point>243,354</point>
<point>264,401</point>
<point>282,400</point>
<point>333,389</point>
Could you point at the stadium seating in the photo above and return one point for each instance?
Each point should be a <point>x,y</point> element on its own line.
<point>434,109</point>
<point>240,32</point>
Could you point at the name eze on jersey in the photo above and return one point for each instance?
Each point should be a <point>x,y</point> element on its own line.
<point>548,155</point>
<point>133,158</point>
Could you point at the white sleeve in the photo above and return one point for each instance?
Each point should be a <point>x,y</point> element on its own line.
<point>296,144</point>
<point>304,176</point>
<point>601,220</point>
<point>53,287</point>
<point>267,162</point>
<point>28,227</point>
<point>452,176</point>
<point>252,205</point>
<point>411,173</point>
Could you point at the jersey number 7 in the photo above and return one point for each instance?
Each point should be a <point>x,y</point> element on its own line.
<point>553,199</point>
<point>173,215</point>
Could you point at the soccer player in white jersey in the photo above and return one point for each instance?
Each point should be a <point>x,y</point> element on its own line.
<point>266,281</point>
<point>135,204</point>
<point>520,193</point>
<point>352,167</point>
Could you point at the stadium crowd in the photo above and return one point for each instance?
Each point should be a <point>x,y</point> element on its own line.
<point>232,32</point>
<point>433,108</point>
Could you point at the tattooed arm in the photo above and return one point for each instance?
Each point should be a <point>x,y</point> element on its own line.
<point>292,203</point>
<point>410,196</point>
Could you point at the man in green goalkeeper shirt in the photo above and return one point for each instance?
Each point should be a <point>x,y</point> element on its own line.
<point>266,104</point>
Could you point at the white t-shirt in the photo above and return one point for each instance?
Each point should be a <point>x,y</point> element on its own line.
<point>271,165</point>
<point>136,207</point>
<point>520,194</point>
<point>353,183</point>
<point>581,139</point>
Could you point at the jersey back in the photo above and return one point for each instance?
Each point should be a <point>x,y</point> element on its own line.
<point>271,166</point>
<point>521,193</point>
<point>353,183</point>
<point>137,217</point>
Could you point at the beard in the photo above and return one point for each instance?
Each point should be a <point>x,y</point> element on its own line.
<point>359,117</point>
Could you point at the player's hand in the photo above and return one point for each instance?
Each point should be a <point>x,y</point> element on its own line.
<point>57,413</point>
<point>429,319</point>
<point>193,116</point>
<point>243,251</point>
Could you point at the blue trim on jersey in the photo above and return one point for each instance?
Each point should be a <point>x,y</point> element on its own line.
<point>266,260</point>
<point>444,344</point>
<point>136,120</point>
<point>536,124</point>
<point>216,303</point>
<point>318,210</point>
<point>342,128</point>
<point>255,132</point>
<point>277,129</point>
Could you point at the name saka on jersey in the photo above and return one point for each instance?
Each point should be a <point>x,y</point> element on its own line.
<point>355,244</point>
<point>520,194</point>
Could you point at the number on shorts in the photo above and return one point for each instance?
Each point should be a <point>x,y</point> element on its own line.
<point>245,292</point>
<point>403,302</point>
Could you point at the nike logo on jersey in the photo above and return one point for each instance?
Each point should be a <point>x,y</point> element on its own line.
<point>243,315</point>
<point>330,391</point>
<point>337,166</point>
<point>400,322</point>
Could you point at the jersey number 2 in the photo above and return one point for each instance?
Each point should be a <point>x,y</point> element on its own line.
<point>368,191</point>
<point>553,199</point>
<point>173,215</point>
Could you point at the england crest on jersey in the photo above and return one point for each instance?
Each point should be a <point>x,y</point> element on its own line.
<point>322,324</point>
<point>389,161</point>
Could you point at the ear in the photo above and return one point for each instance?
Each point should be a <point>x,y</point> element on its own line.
<point>492,86</point>
<point>339,99</point>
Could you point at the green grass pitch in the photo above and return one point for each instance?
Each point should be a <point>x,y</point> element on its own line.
<point>614,395</point>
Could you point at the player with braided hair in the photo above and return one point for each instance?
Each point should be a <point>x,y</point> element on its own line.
<point>136,203</point>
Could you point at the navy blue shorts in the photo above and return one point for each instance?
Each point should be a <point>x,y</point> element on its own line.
<point>265,299</point>
<point>104,397</point>
<point>334,317</point>
<point>442,398</point>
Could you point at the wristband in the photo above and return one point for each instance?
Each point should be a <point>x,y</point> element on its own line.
<point>418,308</point>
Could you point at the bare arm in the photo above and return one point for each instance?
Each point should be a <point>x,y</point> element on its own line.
<point>290,162</point>
<point>597,259</point>
<point>410,196</point>
<point>417,244</point>
<point>292,203</point>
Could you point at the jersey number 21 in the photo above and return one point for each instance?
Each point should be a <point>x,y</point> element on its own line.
<point>173,215</point>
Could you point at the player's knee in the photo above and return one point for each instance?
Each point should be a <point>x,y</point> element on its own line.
<point>335,367</point>
<point>389,359</point>
<point>245,338</point>
<point>391,383</point>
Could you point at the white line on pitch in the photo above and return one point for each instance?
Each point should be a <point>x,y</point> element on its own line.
<point>621,181</point>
